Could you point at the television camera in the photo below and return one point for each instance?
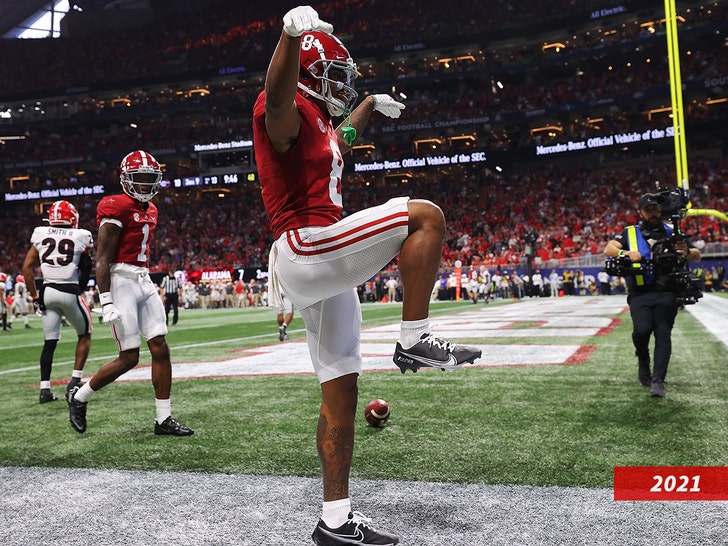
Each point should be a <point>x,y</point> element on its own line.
<point>666,263</point>
<point>673,203</point>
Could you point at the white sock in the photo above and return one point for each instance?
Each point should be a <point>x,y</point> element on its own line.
<point>410,331</point>
<point>85,393</point>
<point>164,409</point>
<point>45,384</point>
<point>335,513</point>
<point>77,373</point>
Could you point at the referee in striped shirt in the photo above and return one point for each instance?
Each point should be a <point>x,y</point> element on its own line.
<point>171,287</point>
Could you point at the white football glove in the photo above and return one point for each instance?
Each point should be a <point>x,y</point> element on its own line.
<point>387,106</point>
<point>303,19</point>
<point>111,314</point>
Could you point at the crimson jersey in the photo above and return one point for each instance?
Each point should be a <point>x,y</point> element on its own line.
<point>301,187</point>
<point>137,227</point>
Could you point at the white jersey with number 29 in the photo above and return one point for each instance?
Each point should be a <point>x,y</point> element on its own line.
<point>59,250</point>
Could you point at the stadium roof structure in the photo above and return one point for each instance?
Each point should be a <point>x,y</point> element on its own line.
<point>15,12</point>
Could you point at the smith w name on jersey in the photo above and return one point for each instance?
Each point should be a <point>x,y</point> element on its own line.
<point>59,250</point>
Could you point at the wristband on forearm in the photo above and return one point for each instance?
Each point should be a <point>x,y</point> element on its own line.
<point>105,298</point>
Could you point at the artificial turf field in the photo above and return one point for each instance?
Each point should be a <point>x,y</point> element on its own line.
<point>507,452</point>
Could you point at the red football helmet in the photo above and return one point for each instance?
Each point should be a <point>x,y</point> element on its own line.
<point>327,71</point>
<point>140,175</point>
<point>20,278</point>
<point>63,213</point>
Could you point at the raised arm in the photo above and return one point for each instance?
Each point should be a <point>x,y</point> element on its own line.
<point>282,120</point>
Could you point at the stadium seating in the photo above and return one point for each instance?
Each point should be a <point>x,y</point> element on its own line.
<point>83,102</point>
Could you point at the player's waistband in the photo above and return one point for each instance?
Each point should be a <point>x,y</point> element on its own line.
<point>130,271</point>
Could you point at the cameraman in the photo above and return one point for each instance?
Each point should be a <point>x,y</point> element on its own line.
<point>652,294</point>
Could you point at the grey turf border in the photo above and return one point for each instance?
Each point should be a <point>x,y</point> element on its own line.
<point>72,507</point>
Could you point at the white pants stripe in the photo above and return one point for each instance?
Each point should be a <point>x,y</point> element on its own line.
<point>319,268</point>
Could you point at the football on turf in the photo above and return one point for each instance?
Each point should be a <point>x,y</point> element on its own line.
<point>377,412</point>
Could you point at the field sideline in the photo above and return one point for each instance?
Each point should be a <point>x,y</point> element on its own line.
<point>65,488</point>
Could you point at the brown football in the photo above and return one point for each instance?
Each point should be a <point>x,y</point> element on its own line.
<point>377,412</point>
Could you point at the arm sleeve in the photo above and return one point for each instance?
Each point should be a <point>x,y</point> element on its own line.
<point>84,270</point>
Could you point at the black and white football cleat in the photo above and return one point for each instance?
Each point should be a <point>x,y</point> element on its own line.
<point>433,352</point>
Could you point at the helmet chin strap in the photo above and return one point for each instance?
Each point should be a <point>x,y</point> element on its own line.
<point>335,107</point>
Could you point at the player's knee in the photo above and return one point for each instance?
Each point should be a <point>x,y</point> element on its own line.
<point>426,214</point>
<point>159,348</point>
<point>128,360</point>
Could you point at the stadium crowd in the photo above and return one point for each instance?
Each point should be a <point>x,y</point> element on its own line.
<point>187,41</point>
<point>587,70</point>
<point>573,209</point>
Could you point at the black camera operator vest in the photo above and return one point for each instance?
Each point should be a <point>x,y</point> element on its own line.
<point>656,246</point>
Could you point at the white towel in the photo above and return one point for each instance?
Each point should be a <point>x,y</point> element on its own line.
<point>275,297</point>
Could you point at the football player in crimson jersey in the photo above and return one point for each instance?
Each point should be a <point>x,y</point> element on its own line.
<point>61,250</point>
<point>318,258</point>
<point>130,303</point>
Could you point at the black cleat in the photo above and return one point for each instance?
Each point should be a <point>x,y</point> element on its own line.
<point>74,382</point>
<point>657,389</point>
<point>356,531</point>
<point>643,373</point>
<point>76,410</point>
<point>433,352</point>
<point>170,426</point>
<point>47,396</point>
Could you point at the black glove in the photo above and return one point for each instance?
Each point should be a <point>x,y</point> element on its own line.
<point>38,306</point>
